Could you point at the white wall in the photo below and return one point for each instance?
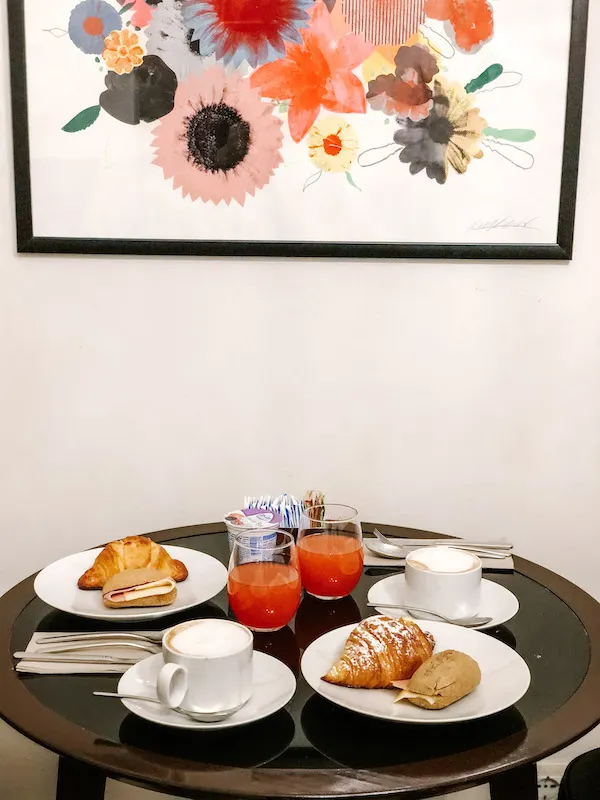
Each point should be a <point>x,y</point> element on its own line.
<point>460,397</point>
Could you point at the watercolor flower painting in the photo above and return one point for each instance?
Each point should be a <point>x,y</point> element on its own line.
<point>122,51</point>
<point>450,136</point>
<point>232,85</point>
<point>333,144</point>
<point>245,30</point>
<point>90,23</point>
<point>318,72</point>
<point>220,142</point>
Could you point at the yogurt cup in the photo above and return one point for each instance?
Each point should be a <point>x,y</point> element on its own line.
<point>255,528</point>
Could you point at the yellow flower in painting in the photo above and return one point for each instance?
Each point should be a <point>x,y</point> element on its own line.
<point>122,51</point>
<point>332,144</point>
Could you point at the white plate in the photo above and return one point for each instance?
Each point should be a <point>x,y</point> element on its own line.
<point>273,685</point>
<point>505,677</point>
<point>57,586</point>
<point>497,602</point>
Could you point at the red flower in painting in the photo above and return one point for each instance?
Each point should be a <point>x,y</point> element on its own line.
<point>245,30</point>
<point>316,73</point>
<point>472,20</point>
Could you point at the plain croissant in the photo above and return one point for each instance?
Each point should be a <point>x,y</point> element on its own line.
<point>379,651</point>
<point>134,552</point>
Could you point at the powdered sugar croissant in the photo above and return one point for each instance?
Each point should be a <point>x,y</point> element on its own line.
<point>133,552</point>
<point>379,651</point>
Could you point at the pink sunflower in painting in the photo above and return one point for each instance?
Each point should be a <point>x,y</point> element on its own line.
<point>220,142</point>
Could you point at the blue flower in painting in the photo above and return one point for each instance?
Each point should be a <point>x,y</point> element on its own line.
<point>256,32</point>
<point>90,23</point>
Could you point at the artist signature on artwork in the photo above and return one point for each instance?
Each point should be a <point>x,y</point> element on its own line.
<point>502,223</point>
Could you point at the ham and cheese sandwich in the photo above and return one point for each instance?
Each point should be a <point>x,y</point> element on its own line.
<point>139,587</point>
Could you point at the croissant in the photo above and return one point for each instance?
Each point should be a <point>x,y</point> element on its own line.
<point>379,651</point>
<point>133,552</point>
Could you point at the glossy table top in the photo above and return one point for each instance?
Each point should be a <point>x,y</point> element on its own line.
<point>324,749</point>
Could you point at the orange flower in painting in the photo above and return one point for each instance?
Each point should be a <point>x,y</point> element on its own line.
<point>122,52</point>
<point>472,20</point>
<point>316,73</point>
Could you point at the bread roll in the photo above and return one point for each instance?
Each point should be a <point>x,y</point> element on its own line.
<point>139,588</point>
<point>442,680</point>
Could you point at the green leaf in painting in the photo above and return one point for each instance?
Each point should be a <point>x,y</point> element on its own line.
<point>350,180</point>
<point>82,120</point>
<point>511,134</point>
<point>126,8</point>
<point>312,180</point>
<point>58,33</point>
<point>487,76</point>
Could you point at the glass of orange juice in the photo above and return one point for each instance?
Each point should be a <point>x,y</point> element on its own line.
<point>264,582</point>
<point>330,550</point>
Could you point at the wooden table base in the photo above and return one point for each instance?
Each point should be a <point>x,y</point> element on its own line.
<point>518,784</point>
<point>77,781</point>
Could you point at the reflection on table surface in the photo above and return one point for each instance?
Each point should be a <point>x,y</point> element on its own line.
<point>353,740</point>
<point>248,746</point>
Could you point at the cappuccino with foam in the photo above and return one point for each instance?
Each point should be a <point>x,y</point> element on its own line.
<point>444,559</point>
<point>208,638</point>
<point>443,579</point>
<point>207,669</point>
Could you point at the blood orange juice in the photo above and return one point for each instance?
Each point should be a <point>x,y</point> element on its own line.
<point>330,564</point>
<point>264,595</point>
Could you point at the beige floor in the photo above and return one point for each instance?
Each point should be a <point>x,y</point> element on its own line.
<point>28,772</point>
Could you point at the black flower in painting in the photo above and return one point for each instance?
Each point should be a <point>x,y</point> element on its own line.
<point>218,138</point>
<point>449,137</point>
<point>145,95</point>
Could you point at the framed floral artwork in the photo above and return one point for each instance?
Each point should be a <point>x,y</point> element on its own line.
<point>305,128</point>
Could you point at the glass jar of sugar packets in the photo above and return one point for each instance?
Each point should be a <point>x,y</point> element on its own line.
<point>256,528</point>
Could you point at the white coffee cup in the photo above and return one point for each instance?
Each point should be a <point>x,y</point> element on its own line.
<point>207,669</point>
<point>443,579</point>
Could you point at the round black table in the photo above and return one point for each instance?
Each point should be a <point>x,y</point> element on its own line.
<point>313,749</point>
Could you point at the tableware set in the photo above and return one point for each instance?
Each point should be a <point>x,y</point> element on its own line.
<point>204,673</point>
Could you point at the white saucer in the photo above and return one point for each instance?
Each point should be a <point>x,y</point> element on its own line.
<point>57,586</point>
<point>505,677</point>
<point>273,685</point>
<point>497,602</point>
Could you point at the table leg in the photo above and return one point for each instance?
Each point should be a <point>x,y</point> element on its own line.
<point>516,784</point>
<point>77,780</point>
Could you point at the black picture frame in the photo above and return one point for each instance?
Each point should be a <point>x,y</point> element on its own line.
<point>562,250</point>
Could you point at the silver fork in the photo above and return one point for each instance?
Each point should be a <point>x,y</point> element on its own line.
<point>154,637</point>
<point>495,551</point>
<point>464,622</point>
<point>69,647</point>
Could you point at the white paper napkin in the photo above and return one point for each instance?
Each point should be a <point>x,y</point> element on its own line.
<point>113,647</point>
<point>496,564</point>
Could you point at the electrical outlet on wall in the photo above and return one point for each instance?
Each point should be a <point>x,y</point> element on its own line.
<point>548,788</point>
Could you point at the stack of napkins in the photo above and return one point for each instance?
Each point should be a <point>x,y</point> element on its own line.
<point>113,657</point>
